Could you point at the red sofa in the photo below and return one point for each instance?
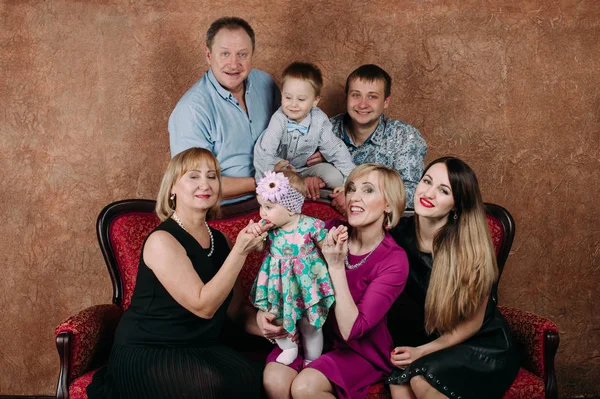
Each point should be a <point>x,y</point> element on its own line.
<point>84,340</point>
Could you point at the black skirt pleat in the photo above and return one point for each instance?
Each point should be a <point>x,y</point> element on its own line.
<point>146,372</point>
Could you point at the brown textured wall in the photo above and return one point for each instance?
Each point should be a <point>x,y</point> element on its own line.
<point>86,88</point>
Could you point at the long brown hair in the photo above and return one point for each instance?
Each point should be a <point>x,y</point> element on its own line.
<point>464,262</point>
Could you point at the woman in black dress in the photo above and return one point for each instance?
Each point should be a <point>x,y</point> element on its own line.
<point>166,344</point>
<point>465,350</point>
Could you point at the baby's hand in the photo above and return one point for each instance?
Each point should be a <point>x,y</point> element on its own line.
<point>265,224</point>
<point>337,190</point>
<point>341,234</point>
<point>253,228</point>
<point>258,228</point>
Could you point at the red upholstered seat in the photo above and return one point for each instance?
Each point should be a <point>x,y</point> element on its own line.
<point>84,340</point>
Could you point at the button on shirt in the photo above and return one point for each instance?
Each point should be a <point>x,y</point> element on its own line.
<point>209,116</point>
<point>395,144</point>
<point>277,144</point>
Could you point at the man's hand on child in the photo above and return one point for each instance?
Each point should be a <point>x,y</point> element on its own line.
<point>315,158</point>
<point>338,201</point>
<point>314,185</point>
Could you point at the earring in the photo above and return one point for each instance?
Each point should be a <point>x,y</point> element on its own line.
<point>455,217</point>
<point>172,197</point>
<point>388,219</point>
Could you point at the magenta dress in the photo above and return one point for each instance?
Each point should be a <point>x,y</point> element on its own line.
<point>354,365</point>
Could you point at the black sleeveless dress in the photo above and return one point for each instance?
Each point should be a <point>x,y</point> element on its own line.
<point>483,366</point>
<point>162,350</point>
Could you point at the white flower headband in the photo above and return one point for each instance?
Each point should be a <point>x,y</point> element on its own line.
<point>275,187</point>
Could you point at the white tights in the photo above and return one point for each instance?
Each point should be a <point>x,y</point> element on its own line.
<point>312,341</point>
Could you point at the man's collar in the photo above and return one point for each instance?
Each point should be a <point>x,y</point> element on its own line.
<point>375,137</point>
<point>223,92</point>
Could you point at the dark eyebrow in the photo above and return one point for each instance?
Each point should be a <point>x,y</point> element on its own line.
<point>442,185</point>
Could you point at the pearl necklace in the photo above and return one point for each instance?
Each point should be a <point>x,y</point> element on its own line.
<point>363,260</point>
<point>212,240</point>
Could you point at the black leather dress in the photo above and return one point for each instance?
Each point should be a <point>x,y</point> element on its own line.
<point>484,366</point>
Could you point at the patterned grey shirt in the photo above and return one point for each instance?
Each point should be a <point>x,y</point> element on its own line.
<point>276,144</point>
<point>395,144</point>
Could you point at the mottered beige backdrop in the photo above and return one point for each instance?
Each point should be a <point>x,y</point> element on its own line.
<point>86,88</point>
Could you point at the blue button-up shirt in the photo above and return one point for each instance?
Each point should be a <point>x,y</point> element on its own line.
<point>209,116</point>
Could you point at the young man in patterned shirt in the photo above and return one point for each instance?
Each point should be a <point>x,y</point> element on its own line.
<point>371,136</point>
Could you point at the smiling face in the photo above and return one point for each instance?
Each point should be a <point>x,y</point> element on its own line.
<point>366,101</point>
<point>230,58</point>
<point>297,98</point>
<point>197,188</point>
<point>433,195</point>
<point>365,202</point>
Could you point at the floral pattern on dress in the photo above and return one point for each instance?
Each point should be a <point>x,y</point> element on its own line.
<point>294,270</point>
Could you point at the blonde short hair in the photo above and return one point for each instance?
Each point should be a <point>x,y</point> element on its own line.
<point>390,184</point>
<point>180,164</point>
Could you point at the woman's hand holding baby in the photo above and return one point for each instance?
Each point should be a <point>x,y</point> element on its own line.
<point>335,247</point>
<point>252,237</point>
<point>271,331</point>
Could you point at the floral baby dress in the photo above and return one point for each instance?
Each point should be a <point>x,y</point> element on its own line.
<point>293,279</point>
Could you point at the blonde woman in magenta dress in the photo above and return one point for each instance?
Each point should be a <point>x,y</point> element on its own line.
<point>368,271</point>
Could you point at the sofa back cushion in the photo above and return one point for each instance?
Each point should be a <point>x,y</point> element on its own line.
<point>496,232</point>
<point>128,231</point>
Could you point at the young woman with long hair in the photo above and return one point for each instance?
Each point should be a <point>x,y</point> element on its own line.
<point>465,350</point>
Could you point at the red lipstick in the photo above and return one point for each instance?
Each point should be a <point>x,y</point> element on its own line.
<point>425,203</point>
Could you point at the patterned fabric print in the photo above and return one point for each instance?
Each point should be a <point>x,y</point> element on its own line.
<point>529,331</point>
<point>88,328</point>
<point>293,279</point>
<point>231,228</point>
<point>395,144</point>
<point>526,386</point>
<point>77,389</point>
<point>320,210</point>
<point>378,390</point>
<point>127,235</point>
<point>496,232</point>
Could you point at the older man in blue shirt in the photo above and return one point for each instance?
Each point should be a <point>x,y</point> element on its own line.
<point>228,108</point>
